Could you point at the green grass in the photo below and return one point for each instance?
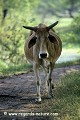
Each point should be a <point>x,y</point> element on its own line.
<point>67,95</point>
<point>16,69</point>
<point>64,22</point>
<point>66,101</point>
<point>69,63</point>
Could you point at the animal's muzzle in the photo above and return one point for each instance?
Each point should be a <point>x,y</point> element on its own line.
<point>43,55</point>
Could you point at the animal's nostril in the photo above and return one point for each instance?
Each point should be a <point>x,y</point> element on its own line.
<point>43,55</point>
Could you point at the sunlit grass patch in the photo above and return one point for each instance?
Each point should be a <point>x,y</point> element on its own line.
<point>64,22</point>
<point>68,63</point>
<point>71,54</point>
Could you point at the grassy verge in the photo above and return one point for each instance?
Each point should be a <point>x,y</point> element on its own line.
<point>26,67</point>
<point>66,101</point>
<point>69,63</point>
<point>15,69</point>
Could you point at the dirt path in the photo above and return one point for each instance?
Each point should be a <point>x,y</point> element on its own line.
<point>18,92</point>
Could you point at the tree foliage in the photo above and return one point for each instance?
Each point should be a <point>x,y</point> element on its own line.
<point>59,8</point>
<point>71,35</point>
<point>16,13</point>
<point>12,35</point>
<point>76,29</point>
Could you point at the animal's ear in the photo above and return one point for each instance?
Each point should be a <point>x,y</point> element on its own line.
<point>52,39</point>
<point>32,42</point>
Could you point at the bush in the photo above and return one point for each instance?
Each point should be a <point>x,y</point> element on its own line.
<point>76,25</point>
<point>12,35</point>
<point>71,34</point>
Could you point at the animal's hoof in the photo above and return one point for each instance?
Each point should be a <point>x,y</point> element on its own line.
<point>45,94</point>
<point>48,97</point>
<point>52,95</point>
<point>38,100</point>
<point>52,86</point>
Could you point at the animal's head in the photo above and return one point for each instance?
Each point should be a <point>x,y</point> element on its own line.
<point>42,38</point>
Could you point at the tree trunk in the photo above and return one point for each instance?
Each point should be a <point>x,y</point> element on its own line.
<point>70,13</point>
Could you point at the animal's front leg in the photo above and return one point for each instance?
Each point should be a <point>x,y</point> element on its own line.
<point>50,78</point>
<point>36,72</point>
<point>46,81</point>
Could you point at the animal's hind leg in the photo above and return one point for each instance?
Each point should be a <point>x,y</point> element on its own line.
<point>36,72</point>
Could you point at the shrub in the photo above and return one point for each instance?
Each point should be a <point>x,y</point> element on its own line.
<point>71,34</point>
